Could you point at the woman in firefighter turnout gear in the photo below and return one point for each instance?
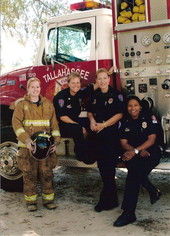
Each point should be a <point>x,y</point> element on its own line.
<point>34,113</point>
<point>138,133</point>
<point>105,110</point>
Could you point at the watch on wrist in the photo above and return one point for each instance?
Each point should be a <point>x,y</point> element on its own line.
<point>136,151</point>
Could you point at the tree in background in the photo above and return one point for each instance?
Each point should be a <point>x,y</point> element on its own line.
<point>23,19</point>
<point>21,25</point>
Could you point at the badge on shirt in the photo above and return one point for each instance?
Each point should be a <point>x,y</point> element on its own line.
<point>69,106</point>
<point>110,101</point>
<point>120,97</point>
<point>127,130</point>
<point>61,103</point>
<point>144,125</point>
<point>154,120</point>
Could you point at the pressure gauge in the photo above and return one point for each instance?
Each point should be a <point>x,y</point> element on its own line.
<point>156,38</point>
<point>168,59</point>
<point>146,41</point>
<point>135,63</point>
<point>166,38</point>
<point>158,61</point>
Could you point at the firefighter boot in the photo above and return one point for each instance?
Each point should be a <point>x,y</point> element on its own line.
<point>32,207</point>
<point>48,201</point>
<point>50,205</point>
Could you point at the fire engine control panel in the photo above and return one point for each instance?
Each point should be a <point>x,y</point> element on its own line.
<point>144,59</point>
<point>144,48</point>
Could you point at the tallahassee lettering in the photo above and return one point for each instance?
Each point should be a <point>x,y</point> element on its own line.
<point>64,73</point>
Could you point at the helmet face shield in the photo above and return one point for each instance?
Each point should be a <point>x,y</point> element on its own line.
<point>42,145</point>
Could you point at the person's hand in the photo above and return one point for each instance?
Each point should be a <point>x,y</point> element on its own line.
<point>30,144</point>
<point>53,148</point>
<point>84,130</point>
<point>112,70</point>
<point>144,153</point>
<point>99,127</point>
<point>128,155</point>
<point>93,125</point>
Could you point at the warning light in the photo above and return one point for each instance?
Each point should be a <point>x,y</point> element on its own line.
<point>87,5</point>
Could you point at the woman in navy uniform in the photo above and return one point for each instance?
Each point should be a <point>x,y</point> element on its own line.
<point>68,106</point>
<point>105,109</point>
<point>138,135</point>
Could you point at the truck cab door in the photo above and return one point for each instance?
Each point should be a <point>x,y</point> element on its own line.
<point>70,47</point>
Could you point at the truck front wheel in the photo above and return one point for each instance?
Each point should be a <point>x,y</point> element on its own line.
<point>11,176</point>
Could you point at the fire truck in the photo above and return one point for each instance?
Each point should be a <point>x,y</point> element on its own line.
<point>132,37</point>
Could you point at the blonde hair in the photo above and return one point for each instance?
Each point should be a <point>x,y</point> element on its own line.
<point>101,70</point>
<point>74,75</point>
<point>32,80</point>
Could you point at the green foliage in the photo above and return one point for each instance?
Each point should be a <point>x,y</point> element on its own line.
<point>23,19</point>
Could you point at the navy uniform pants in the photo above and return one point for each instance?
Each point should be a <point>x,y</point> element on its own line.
<point>106,150</point>
<point>138,171</point>
<point>108,196</point>
<point>74,131</point>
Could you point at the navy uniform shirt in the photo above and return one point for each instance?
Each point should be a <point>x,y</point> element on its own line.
<point>67,105</point>
<point>137,131</point>
<point>105,105</point>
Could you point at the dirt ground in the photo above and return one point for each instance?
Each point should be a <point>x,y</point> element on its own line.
<point>77,191</point>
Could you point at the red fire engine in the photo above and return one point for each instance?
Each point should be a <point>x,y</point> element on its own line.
<point>132,36</point>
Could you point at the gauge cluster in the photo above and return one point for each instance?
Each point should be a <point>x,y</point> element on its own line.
<point>146,40</point>
<point>145,47</point>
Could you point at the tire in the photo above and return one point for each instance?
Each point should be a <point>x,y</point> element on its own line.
<point>12,185</point>
<point>11,177</point>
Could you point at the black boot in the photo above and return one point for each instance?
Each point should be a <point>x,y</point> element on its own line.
<point>104,207</point>
<point>154,193</point>
<point>155,196</point>
<point>108,201</point>
<point>125,218</point>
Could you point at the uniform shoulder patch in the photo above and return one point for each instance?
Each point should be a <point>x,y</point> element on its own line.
<point>154,120</point>
<point>120,97</point>
<point>61,102</point>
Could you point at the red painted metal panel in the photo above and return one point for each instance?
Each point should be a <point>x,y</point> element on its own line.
<point>168,9</point>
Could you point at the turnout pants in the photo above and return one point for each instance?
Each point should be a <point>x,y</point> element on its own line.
<point>35,171</point>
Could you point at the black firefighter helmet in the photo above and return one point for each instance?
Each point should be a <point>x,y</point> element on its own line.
<point>42,145</point>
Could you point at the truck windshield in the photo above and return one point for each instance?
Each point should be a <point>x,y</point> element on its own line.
<point>70,43</point>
